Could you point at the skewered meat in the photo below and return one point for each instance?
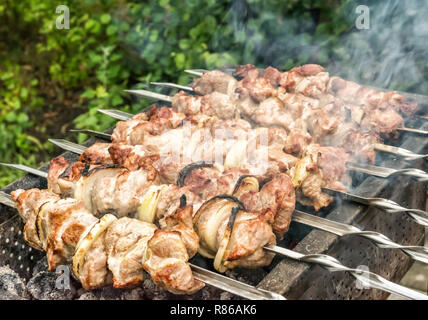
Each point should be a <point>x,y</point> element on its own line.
<point>369,109</point>
<point>96,154</point>
<point>103,189</point>
<point>352,92</point>
<point>215,81</point>
<point>160,120</point>
<point>231,236</point>
<point>103,250</point>
<point>309,79</point>
<point>117,190</point>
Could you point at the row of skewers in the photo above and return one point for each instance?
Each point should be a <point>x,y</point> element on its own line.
<point>230,210</point>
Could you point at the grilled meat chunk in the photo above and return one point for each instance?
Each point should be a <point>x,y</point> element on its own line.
<point>52,224</point>
<point>166,262</point>
<point>106,250</point>
<point>126,242</point>
<point>215,81</point>
<point>97,154</point>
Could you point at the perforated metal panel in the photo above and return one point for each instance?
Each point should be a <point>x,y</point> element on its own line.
<point>14,252</point>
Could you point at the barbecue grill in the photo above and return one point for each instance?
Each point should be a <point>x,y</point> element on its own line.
<point>294,280</point>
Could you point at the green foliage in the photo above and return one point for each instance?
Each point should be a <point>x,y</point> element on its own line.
<point>48,77</point>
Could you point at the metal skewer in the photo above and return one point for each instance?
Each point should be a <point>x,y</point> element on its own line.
<point>196,72</point>
<point>370,279</point>
<point>419,216</point>
<point>98,134</point>
<point>117,114</point>
<point>211,278</point>
<point>406,154</point>
<point>150,94</point>
<point>200,72</point>
<point>417,253</point>
<point>381,172</point>
<point>233,286</point>
<point>366,277</point>
<point>172,85</point>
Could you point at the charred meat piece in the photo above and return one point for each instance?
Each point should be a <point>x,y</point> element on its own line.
<point>97,154</point>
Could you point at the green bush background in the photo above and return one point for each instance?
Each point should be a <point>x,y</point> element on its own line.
<point>52,80</point>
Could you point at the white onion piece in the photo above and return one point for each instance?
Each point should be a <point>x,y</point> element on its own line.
<point>300,172</point>
<point>207,222</point>
<point>219,257</point>
<point>40,226</point>
<point>236,155</point>
<point>214,223</point>
<point>149,204</point>
<point>246,184</point>
<point>85,243</point>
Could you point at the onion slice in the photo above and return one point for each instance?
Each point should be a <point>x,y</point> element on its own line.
<point>244,184</point>
<point>236,155</point>
<point>85,242</point>
<point>209,218</point>
<point>149,204</point>
<point>219,257</point>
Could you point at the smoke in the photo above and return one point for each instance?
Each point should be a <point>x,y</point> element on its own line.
<point>390,54</point>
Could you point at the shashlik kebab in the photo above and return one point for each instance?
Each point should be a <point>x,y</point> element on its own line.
<point>323,126</point>
<point>156,132</point>
<point>326,261</point>
<point>328,119</point>
<point>295,141</point>
<point>230,236</point>
<point>311,173</point>
<point>103,251</point>
<point>135,130</point>
<point>114,251</point>
<point>169,171</point>
<point>275,196</point>
<point>312,81</point>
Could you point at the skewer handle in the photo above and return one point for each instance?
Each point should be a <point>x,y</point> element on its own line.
<point>406,154</point>
<point>417,253</point>
<point>419,216</point>
<point>368,278</point>
<point>98,134</point>
<point>196,72</point>
<point>66,145</point>
<point>415,131</point>
<point>150,95</point>
<point>116,114</point>
<point>6,199</point>
<point>172,85</point>
<point>384,172</point>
